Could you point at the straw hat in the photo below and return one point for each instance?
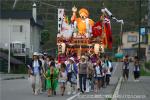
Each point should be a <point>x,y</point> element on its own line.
<point>84,57</point>
<point>71,58</point>
<point>35,54</point>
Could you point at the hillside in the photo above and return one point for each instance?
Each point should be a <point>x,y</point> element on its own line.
<point>128,10</point>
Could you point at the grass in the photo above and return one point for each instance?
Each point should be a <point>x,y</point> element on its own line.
<point>144,72</point>
<point>109,98</point>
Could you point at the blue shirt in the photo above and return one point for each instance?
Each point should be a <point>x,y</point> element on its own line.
<point>36,67</point>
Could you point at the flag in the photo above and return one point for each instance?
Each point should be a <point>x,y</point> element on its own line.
<point>97,31</point>
<point>108,32</point>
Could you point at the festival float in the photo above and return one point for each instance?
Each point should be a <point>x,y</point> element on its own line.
<point>82,34</point>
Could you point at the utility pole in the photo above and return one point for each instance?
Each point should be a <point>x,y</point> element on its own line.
<point>139,45</point>
<point>9,40</point>
<point>148,55</point>
<point>9,45</point>
<point>149,14</point>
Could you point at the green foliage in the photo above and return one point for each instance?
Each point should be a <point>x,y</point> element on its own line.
<point>145,69</point>
<point>143,72</point>
<point>21,69</point>
<point>128,10</point>
<point>147,65</point>
<point>44,36</point>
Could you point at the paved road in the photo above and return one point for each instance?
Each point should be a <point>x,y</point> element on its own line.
<point>19,89</point>
<point>107,92</point>
<point>135,90</point>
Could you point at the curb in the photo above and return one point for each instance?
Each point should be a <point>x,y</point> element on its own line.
<point>13,78</point>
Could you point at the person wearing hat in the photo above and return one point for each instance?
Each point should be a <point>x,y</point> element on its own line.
<point>72,72</point>
<point>83,73</point>
<point>35,69</point>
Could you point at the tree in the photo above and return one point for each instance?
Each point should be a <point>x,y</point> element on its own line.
<point>44,36</point>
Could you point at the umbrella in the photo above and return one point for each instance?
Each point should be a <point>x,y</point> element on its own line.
<point>119,55</point>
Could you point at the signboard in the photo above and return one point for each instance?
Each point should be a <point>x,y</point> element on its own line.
<point>142,31</point>
<point>60,18</point>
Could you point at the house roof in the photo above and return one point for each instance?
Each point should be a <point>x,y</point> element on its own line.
<point>12,59</point>
<point>21,14</point>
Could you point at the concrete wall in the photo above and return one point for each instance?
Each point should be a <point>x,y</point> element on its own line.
<point>6,28</point>
<point>30,34</point>
<point>35,39</point>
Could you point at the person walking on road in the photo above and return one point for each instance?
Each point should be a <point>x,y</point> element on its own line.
<point>41,58</point>
<point>98,70</point>
<point>72,72</point>
<point>108,65</point>
<point>52,79</point>
<point>136,70</point>
<point>90,74</point>
<point>125,68</point>
<point>62,78</point>
<point>49,75</point>
<point>35,69</point>
<point>83,74</point>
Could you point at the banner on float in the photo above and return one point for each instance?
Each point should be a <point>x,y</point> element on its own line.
<point>60,18</point>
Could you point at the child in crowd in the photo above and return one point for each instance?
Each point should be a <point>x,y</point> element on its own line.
<point>52,79</point>
<point>98,76</point>
<point>62,78</point>
<point>49,75</point>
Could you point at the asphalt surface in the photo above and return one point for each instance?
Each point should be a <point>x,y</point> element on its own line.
<point>132,90</point>
<point>20,89</point>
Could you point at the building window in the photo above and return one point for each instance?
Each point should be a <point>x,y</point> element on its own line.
<point>132,38</point>
<point>18,48</point>
<point>17,28</point>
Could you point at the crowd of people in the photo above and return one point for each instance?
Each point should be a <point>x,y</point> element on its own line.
<point>46,74</point>
<point>71,76</point>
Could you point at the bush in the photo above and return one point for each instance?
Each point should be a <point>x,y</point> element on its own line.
<point>147,65</point>
<point>20,69</point>
<point>143,72</point>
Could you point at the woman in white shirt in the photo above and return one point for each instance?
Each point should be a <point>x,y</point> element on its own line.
<point>98,76</point>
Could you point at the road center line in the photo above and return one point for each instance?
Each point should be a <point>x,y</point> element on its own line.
<point>117,89</point>
<point>72,97</point>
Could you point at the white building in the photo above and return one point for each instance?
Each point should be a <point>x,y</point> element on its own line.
<point>23,29</point>
<point>130,42</point>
